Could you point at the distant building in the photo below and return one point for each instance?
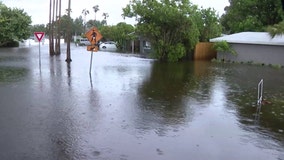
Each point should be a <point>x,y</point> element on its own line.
<point>257,47</point>
<point>140,44</point>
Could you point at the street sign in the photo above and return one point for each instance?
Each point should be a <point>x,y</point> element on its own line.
<point>94,36</point>
<point>38,36</point>
<point>92,48</point>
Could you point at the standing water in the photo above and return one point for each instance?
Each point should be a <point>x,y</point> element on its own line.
<point>131,108</point>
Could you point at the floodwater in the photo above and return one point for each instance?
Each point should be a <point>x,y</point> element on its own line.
<point>131,108</point>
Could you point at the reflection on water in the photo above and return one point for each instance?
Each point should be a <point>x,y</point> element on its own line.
<point>134,108</point>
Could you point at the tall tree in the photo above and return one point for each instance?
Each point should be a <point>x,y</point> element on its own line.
<point>38,27</point>
<point>58,25</point>
<point>120,33</point>
<point>168,24</point>
<point>105,16</point>
<point>68,51</point>
<point>79,26</point>
<point>251,15</point>
<point>85,12</point>
<point>208,24</point>
<point>50,29</point>
<point>54,26</point>
<point>92,23</point>
<point>96,9</point>
<point>15,24</point>
<point>277,29</point>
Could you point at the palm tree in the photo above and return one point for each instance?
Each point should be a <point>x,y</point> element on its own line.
<point>58,21</point>
<point>68,52</point>
<point>50,29</point>
<point>85,12</point>
<point>96,9</point>
<point>105,15</point>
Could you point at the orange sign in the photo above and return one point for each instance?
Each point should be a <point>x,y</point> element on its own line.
<point>94,36</point>
<point>92,48</point>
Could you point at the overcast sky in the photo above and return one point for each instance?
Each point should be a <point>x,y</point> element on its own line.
<point>39,9</point>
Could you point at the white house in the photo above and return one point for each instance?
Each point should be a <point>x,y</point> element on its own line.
<point>257,47</point>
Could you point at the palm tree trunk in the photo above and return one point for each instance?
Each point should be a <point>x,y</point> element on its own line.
<point>51,50</point>
<point>58,19</point>
<point>52,29</point>
<point>56,27</point>
<point>68,58</point>
<point>59,26</point>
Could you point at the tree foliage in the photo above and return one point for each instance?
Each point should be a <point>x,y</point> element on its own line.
<point>96,9</point>
<point>65,20</point>
<point>14,24</point>
<point>78,26</point>
<point>105,16</point>
<point>277,29</point>
<point>120,33</point>
<point>172,26</point>
<point>208,24</point>
<point>224,46</point>
<point>91,23</point>
<point>251,15</point>
<point>38,28</point>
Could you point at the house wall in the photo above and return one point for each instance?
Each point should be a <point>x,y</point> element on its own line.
<point>267,54</point>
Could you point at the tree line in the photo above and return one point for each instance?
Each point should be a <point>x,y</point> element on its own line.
<point>14,25</point>
<point>172,26</point>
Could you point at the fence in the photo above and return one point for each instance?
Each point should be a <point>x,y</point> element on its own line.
<point>204,51</point>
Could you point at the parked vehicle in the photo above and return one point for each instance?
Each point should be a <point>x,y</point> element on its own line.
<point>84,42</point>
<point>108,46</point>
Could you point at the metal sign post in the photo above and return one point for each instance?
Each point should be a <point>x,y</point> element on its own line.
<point>39,55</point>
<point>91,61</point>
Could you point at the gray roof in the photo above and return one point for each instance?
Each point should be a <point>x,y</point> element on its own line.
<point>251,38</point>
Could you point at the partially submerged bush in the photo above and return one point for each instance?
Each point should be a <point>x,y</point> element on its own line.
<point>224,47</point>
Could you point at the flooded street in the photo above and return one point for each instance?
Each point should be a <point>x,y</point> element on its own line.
<point>132,108</point>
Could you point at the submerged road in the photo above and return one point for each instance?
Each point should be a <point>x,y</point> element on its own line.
<point>132,108</point>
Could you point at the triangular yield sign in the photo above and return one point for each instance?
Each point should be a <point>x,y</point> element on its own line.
<point>39,35</point>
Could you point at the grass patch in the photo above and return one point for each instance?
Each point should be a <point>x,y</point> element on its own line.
<point>12,74</point>
<point>276,66</point>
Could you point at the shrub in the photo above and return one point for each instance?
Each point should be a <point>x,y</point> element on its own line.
<point>224,47</point>
<point>12,44</point>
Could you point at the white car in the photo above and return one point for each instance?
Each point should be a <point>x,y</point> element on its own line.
<point>108,46</point>
<point>84,42</point>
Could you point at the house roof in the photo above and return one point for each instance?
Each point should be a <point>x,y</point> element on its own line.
<point>251,38</point>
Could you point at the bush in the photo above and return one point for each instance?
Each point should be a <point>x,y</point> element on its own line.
<point>12,44</point>
<point>176,52</point>
<point>224,46</point>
